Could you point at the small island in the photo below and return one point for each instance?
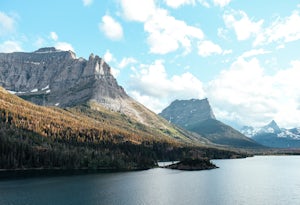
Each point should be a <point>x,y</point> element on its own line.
<point>190,164</point>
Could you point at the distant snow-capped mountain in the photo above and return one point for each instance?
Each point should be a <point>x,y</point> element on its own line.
<point>272,135</point>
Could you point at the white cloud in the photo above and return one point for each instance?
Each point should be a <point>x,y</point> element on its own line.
<point>152,82</point>
<point>137,10</point>
<point>108,56</point>
<point>87,2</point>
<point>53,36</point>
<point>245,94</point>
<point>7,24</point>
<point>254,52</point>
<point>166,33</point>
<point>281,30</point>
<point>204,3</point>
<point>111,28</point>
<point>177,3</point>
<point>64,46</point>
<point>10,46</point>
<point>207,48</point>
<point>243,26</point>
<point>221,3</point>
<point>126,61</point>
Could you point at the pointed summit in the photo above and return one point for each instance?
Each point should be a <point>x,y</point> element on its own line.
<point>272,127</point>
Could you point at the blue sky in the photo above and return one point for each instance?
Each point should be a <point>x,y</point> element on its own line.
<point>242,55</point>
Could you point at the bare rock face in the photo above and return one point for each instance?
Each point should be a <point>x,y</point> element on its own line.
<point>57,78</point>
<point>186,112</point>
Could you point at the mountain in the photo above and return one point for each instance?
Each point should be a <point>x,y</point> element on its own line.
<point>194,111</point>
<point>33,136</point>
<point>197,116</point>
<point>68,112</point>
<point>52,77</point>
<point>272,136</point>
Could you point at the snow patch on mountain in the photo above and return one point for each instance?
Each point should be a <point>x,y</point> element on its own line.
<point>272,128</point>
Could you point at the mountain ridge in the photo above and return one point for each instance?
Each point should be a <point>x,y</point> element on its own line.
<point>49,76</point>
<point>52,77</point>
<point>33,136</point>
<point>197,116</point>
<point>272,135</point>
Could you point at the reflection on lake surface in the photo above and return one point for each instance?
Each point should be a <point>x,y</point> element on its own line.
<point>256,180</point>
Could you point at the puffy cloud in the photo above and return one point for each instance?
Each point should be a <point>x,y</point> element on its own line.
<point>221,3</point>
<point>111,28</point>
<point>137,10</point>
<point>243,26</point>
<point>245,94</point>
<point>207,48</point>
<point>7,24</point>
<point>282,30</point>
<point>177,3</point>
<point>166,33</point>
<point>64,46</point>
<point>10,46</point>
<point>53,36</point>
<point>87,2</point>
<point>126,61</point>
<point>108,56</point>
<point>152,82</point>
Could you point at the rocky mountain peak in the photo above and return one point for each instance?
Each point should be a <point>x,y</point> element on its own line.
<point>47,50</point>
<point>57,78</point>
<point>272,127</point>
<point>183,112</point>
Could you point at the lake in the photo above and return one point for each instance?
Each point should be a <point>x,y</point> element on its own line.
<point>256,180</point>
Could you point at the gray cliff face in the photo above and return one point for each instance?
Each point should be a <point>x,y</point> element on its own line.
<point>57,78</point>
<point>186,112</point>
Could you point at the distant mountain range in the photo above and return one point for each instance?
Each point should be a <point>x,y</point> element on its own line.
<point>197,116</point>
<point>272,136</point>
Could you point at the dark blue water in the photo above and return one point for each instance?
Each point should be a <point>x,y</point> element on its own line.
<point>257,180</point>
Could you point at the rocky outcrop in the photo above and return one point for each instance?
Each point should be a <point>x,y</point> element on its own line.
<point>193,165</point>
<point>186,112</point>
<point>57,78</point>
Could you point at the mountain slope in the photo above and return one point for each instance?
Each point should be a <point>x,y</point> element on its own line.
<point>197,116</point>
<point>89,119</point>
<point>52,77</point>
<point>33,136</point>
<point>220,133</point>
<point>272,136</point>
<point>57,78</point>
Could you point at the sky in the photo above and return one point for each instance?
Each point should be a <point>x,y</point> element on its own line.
<point>244,56</point>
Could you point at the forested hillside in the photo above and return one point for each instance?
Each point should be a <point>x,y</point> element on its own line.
<point>33,136</point>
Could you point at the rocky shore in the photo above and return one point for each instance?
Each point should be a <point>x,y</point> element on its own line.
<point>193,165</point>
